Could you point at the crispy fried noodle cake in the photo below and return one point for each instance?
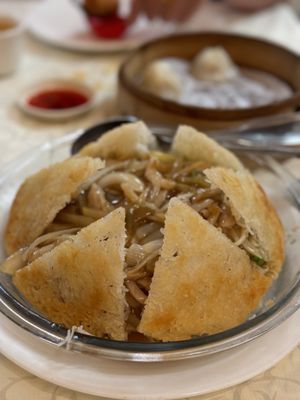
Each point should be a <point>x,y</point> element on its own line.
<point>80,281</point>
<point>133,243</point>
<point>42,196</point>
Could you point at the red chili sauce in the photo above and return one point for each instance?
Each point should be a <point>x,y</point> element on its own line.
<point>57,99</point>
<point>111,27</point>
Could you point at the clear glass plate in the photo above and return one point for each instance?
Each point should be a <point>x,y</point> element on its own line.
<point>282,300</point>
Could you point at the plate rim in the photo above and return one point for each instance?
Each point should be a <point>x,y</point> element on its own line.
<point>244,351</point>
<point>36,323</point>
<point>90,46</point>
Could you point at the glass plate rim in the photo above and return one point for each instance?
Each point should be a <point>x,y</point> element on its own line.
<point>133,351</point>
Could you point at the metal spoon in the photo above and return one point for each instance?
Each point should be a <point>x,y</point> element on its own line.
<point>281,136</point>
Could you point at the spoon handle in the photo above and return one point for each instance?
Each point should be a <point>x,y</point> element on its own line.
<point>268,135</point>
<point>257,148</point>
<point>268,122</point>
<point>165,136</point>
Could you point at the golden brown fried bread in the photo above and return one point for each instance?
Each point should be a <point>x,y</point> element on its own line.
<point>194,145</point>
<point>80,282</point>
<point>42,196</point>
<point>202,284</point>
<point>128,140</point>
<point>249,202</point>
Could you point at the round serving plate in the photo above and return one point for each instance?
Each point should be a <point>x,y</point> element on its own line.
<point>158,381</point>
<point>48,23</point>
<point>281,301</point>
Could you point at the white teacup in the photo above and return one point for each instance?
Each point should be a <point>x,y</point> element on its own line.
<point>11,32</point>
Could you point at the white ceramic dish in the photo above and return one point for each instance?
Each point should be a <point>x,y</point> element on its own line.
<point>132,381</point>
<point>10,44</point>
<point>148,381</point>
<point>282,300</point>
<point>51,114</point>
<point>48,23</point>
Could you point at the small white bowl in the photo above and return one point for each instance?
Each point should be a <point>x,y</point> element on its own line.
<point>10,44</point>
<point>56,114</point>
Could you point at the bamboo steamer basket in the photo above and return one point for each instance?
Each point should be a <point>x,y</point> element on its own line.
<point>245,52</point>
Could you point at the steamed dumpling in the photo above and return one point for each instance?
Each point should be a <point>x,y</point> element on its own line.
<point>214,64</point>
<point>161,79</point>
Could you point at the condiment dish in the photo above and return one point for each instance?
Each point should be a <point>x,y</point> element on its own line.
<point>56,99</point>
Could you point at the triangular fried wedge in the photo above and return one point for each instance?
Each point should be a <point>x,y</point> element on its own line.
<point>81,281</point>
<point>250,204</point>
<point>128,140</point>
<point>202,283</point>
<point>42,196</point>
<point>196,146</point>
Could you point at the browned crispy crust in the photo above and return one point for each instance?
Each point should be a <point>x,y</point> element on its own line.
<point>128,140</point>
<point>202,283</point>
<point>194,145</point>
<point>80,282</point>
<point>249,201</point>
<point>42,196</point>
